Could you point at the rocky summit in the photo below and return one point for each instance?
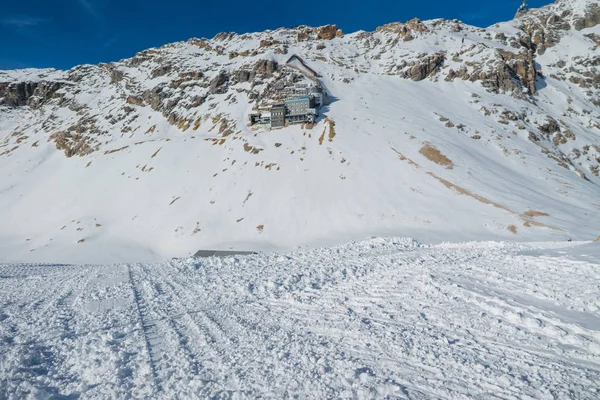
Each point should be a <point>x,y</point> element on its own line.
<point>432,129</point>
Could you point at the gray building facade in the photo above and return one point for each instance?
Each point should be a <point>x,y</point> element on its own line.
<point>301,109</point>
<point>278,116</point>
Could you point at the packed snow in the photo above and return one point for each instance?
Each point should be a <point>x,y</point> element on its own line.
<point>159,187</point>
<point>381,318</point>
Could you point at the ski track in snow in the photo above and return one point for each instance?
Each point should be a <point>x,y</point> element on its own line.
<point>373,319</point>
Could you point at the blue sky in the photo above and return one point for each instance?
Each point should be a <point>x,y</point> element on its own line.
<point>65,33</point>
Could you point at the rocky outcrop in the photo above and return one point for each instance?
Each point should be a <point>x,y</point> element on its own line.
<point>522,67</point>
<point>594,38</point>
<point>116,76</point>
<point>268,42</point>
<point>242,75</point>
<point>590,18</point>
<point>33,94</point>
<point>551,126</point>
<point>262,69</point>
<point>135,100</point>
<point>186,79</point>
<point>424,67</point>
<point>161,70</point>
<point>201,43</point>
<point>223,36</point>
<point>73,144</point>
<point>407,30</point>
<point>155,97</point>
<point>329,32</point>
<point>265,67</point>
<point>416,25</point>
<point>513,73</point>
<point>218,84</point>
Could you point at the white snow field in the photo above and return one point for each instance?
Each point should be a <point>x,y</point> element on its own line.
<point>150,158</point>
<point>381,318</point>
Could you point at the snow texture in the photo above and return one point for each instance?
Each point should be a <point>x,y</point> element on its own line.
<point>381,318</point>
<point>159,186</point>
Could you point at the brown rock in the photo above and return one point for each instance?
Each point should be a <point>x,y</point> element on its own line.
<point>416,25</point>
<point>71,144</point>
<point>219,83</point>
<point>162,70</point>
<point>33,94</point>
<point>590,18</point>
<point>329,32</point>
<point>550,127</point>
<point>426,66</point>
<point>265,67</point>
<point>135,100</point>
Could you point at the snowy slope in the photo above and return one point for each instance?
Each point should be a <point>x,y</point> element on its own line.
<point>375,319</point>
<point>438,130</point>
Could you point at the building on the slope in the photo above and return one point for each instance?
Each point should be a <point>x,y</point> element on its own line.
<point>301,109</point>
<point>291,111</point>
<point>306,89</point>
<point>254,118</point>
<point>302,98</point>
<point>278,113</point>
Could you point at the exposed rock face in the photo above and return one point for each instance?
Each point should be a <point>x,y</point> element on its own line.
<point>265,67</point>
<point>262,68</point>
<point>425,67</point>
<point>544,27</point>
<point>135,100</point>
<point>161,70</point>
<point>222,36</point>
<point>329,32</point>
<point>408,30</point>
<point>521,67</point>
<point>594,38</point>
<point>416,25</point>
<point>154,98</point>
<point>187,79</point>
<point>590,19</point>
<point>116,76</point>
<point>219,83</point>
<point>268,42</point>
<point>551,126</point>
<point>513,73</point>
<point>72,144</point>
<point>243,75</point>
<point>32,94</point>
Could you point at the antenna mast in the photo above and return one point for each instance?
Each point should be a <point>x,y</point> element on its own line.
<point>523,7</point>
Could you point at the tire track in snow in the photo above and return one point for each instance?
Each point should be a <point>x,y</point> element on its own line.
<point>173,334</point>
<point>209,347</point>
<point>366,294</point>
<point>146,326</point>
<point>523,318</point>
<point>225,343</point>
<point>364,324</point>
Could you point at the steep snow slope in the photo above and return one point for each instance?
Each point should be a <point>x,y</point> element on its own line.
<point>376,319</point>
<point>437,130</point>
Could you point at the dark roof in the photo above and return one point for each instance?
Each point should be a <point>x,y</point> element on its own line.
<point>221,253</point>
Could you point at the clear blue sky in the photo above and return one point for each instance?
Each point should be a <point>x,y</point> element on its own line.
<point>65,33</point>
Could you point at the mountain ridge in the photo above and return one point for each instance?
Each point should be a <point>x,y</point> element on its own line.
<point>152,156</point>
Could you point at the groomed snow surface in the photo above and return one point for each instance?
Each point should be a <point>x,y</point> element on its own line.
<point>382,318</point>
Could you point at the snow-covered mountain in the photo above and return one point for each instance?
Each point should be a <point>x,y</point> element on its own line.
<point>436,130</point>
